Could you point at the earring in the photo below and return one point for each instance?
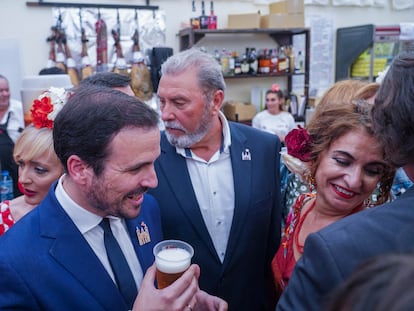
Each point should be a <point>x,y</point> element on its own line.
<point>310,179</point>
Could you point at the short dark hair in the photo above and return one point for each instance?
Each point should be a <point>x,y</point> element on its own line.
<point>91,118</point>
<point>108,79</point>
<point>393,111</point>
<point>51,71</point>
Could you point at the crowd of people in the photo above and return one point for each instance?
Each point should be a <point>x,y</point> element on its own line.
<point>98,164</point>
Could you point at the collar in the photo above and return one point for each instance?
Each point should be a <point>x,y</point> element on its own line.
<point>83,219</point>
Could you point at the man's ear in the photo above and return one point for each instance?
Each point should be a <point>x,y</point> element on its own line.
<point>217,101</point>
<point>79,171</point>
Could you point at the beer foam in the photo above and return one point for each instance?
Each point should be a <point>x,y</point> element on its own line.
<point>173,260</point>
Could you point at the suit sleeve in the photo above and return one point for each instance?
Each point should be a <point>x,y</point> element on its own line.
<point>315,274</point>
<point>14,294</point>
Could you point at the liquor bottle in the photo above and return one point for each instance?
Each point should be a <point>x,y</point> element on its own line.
<point>194,21</point>
<point>231,63</point>
<point>237,63</point>
<point>245,67</point>
<point>203,17</point>
<point>224,60</point>
<point>212,19</point>
<point>300,63</point>
<point>282,61</point>
<point>6,186</point>
<point>273,61</point>
<point>253,62</point>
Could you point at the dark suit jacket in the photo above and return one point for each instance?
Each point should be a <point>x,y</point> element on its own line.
<point>46,264</point>
<point>334,252</point>
<point>244,278</point>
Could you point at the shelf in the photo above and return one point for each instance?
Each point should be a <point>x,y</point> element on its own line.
<point>263,75</point>
<point>189,37</point>
<point>42,3</point>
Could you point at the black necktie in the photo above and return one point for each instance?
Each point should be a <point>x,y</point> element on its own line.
<point>123,275</point>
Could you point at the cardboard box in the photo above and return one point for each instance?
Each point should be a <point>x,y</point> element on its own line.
<point>286,7</point>
<point>245,112</point>
<point>282,21</point>
<point>240,21</point>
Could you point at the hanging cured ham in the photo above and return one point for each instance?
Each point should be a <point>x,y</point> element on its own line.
<point>141,83</point>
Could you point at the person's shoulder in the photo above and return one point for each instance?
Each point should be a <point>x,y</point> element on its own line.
<point>250,131</point>
<point>15,105</point>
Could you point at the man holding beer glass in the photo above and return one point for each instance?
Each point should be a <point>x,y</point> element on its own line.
<point>64,254</point>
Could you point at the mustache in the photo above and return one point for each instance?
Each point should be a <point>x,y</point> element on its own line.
<point>138,192</point>
<point>174,125</point>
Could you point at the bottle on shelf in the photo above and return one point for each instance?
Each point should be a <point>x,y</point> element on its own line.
<point>203,17</point>
<point>194,21</point>
<point>6,186</point>
<point>245,66</point>
<point>216,55</point>
<point>300,68</point>
<point>282,61</point>
<point>212,19</point>
<point>224,61</point>
<point>264,62</point>
<point>253,62</point>
<point>237,63</point>
<point>231,63</point>
<point>273,61</point>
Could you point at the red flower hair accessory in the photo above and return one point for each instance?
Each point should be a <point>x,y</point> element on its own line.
<point>275,87</point>
<point>47,106</point>
<point>299,144</point>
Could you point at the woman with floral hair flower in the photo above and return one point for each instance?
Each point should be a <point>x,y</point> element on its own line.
<point>274,119</point>
<point>37,161</point>
<point>339,156</point>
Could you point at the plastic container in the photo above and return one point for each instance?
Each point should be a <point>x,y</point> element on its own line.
<point>6,186</point>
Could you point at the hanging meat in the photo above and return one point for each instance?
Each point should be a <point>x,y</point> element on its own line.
<point>101,45</point>
<point>71,69</point>
<point>86,67</point>
<point>141,82</point>
<point>51,62</point>
<point>60,55</point>
<point>120,63</point>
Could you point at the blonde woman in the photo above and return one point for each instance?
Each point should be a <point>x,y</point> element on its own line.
<point>36,159</point>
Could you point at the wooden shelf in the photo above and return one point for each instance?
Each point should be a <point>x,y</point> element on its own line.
<point>282,36</point>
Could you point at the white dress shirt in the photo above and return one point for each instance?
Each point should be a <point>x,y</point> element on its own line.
<point>214,188</point>
<point>16,121</point>
<point>88,225</point>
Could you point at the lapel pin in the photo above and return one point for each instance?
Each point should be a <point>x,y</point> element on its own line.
<point>246,155</point>
<point>143,234</point>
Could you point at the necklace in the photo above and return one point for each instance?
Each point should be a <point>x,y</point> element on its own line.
<point>299,247</point>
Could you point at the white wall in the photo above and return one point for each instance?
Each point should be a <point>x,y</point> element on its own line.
<point>30,26</point>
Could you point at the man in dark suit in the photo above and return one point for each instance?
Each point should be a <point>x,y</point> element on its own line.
<point>218,184</point>
<point>331,254</point>
<point>57,258</point>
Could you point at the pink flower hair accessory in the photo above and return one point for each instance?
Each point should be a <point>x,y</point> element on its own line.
<point>275,87</point>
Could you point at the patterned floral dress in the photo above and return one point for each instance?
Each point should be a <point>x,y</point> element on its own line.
<point>284,260</point>
<point>6,219</point>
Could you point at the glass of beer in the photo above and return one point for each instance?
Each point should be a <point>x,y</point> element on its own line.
<point>172,258</point>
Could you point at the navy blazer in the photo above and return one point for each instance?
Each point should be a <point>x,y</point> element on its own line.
<point>46,263</point>
<point>331,254</point>
<point>244,279</point>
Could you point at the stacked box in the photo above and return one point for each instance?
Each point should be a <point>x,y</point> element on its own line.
<point>284,14</point>
<point>243,21</point>
<point>244,112</point>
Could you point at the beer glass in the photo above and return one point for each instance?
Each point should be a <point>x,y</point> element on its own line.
<point>172,258</point>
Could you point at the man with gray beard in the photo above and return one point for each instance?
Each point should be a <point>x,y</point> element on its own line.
<point>218,184</point>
